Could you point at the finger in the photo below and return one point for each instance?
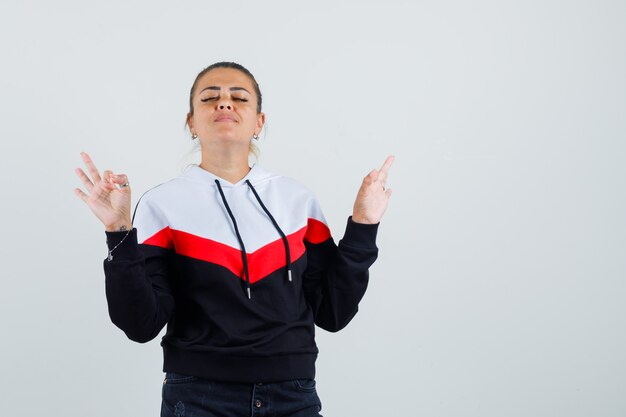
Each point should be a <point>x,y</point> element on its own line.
<point>107,176</point>
<point>120,179</point>
<point>383,173</point>
<point>387,164</point>
<point>103,186</point>
<point>81,194</point>
<point>382,178</point>
<point>91,167</point>
<point>84,178</point>
<point>106,182</point>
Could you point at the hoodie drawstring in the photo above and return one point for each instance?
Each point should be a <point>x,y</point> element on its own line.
<point>244,255</point>
<point>280,232</point>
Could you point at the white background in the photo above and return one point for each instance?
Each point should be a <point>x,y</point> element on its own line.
<point>500,287</point>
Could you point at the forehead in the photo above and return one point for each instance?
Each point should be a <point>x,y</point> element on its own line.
<point>225,77</point>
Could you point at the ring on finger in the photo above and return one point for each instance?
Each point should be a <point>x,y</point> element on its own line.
<point>124,185</point>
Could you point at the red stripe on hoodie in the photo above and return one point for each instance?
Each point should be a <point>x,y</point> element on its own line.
<point>261,262</point>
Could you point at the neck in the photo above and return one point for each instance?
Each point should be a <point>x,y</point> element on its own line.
<point>227,165</point>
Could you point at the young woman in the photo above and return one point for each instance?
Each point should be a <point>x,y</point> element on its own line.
<point>236,260</point>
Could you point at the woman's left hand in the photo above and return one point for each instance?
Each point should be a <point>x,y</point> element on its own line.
<point>371,201</point>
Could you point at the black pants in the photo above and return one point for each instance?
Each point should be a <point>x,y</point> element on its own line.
<point>186,396</point>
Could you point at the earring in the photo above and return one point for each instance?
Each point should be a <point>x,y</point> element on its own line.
<point>255,136</point>
<point>194,136</point>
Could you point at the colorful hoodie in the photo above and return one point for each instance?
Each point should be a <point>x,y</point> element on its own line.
<point>240,273</point>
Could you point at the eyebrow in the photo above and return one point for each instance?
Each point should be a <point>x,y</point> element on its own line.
<point>216,88</point>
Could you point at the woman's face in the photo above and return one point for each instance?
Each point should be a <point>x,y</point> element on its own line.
<point>224,109</point>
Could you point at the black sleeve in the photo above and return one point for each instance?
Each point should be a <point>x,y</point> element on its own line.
<point>337,275</point>
<point>137,286</point>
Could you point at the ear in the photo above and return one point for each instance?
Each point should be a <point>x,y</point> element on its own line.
<point>260,121</point>
<point>189,123</point>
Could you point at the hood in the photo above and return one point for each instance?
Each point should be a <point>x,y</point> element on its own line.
<point>257,176</point>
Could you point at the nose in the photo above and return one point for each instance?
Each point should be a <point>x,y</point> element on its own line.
<point>225,103</point>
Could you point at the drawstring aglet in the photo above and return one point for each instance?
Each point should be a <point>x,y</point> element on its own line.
<point>249,294</point>
<point>289,274</point>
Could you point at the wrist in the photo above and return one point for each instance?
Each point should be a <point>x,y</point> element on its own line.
<point>361,220</point>
<point>119,227</point>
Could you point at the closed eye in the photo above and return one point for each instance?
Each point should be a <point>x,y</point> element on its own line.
<point>208,98</point>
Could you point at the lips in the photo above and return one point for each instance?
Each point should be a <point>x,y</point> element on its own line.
<point>225,118</point>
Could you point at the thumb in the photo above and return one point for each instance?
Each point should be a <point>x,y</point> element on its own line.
<point>107,175</point>
<point>120,180</point>
<point>371,177</point>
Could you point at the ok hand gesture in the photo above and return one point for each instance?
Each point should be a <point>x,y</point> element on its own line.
<point>108,196</point>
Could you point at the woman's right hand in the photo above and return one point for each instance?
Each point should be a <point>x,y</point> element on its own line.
<point>108,196</point>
